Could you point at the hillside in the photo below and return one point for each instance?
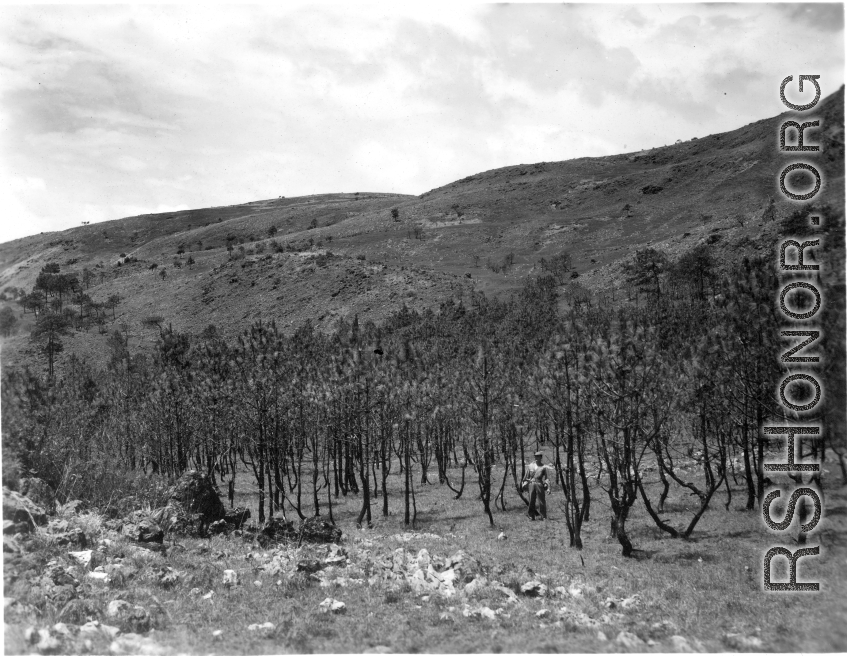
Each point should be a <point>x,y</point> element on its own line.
<point>336,255</point>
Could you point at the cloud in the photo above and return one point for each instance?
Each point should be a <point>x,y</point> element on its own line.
<point>124,109</point>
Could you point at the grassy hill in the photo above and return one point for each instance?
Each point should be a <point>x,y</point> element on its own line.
<point>329,256</point>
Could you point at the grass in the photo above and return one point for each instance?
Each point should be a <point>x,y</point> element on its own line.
<point>707,587</point>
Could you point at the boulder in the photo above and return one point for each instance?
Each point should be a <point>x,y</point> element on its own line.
<point>237,516</point>
<point>219,527</point>
<point>629,640</point>
<point>39,492</point>
<point>196,494</point>
<point>73,538</point>
<point>679,644</point>
<point>314,529</point>
<point>330,605</point>
<point>534,589</point>
<point>276,530</point>
<point>141,527</point>
<point>22,511</point>
<point>230,578</point>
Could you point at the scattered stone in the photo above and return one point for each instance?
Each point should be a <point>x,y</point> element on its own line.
<point>22,511</point>
<point>601,636</point>
<point>378,649</point>
<point>407,537</point>
<point>660,630</point>
<point>194,592</point>
<point>742,642</point>
<point>141,527</point>
<point>625,603</point>
<point>680,644</point>
<point>98,577</point>
<point>534,589</point>
<point>94,628</point>
<point>74,538</point>
<point>629,640</point>
<point>309,566</point>
<point>258,584</point>
<point>132,643</point>
<point>544,612</point>
<point>330,605</point>
<point>481,612</point>
<point>209,595</point>
<point>502,536</point>
<point>265,627</point>
<point>217,634</point>
<point>575,591</point>
<point>59,575</point>
<point>169,577</point>
<point>230,577</point>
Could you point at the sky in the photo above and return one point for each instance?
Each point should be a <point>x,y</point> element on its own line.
<point>111,111</point>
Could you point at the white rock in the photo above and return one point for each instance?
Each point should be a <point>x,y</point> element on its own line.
<point>258,584</point>
<point>602,636</point>
<point>475,586</point>
<point>483,611</point>
<point>502,536</point>
<point>217,634</point>
<point>132,643</point>
<point>62,629</point>
<point>98,577</point>
<point>209,595</point>
<point>423,559</point>
<point>575,591</point>
<point>629,640</point>
<point>265,626</point>
<point>230,577</point>
<point>82,557</point>
<point>544,612</point>
<point>47,644</point>
<point>739,641</point>
<point>330,605</point>
<point>117,607</point>
<point>534,589</point>
<point>194,592</point>
<point>680,644</point>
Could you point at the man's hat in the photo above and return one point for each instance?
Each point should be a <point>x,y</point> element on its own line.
<point>538,453</point>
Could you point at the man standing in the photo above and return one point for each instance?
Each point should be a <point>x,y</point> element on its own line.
<point>536,480</point>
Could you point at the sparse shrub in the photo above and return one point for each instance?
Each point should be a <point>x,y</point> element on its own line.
<point>313,224</point>
<point>395,214</point>
<point>360,256</point>
<point>272,231</point>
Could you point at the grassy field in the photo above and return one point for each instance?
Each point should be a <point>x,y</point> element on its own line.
<point>707,588</point>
